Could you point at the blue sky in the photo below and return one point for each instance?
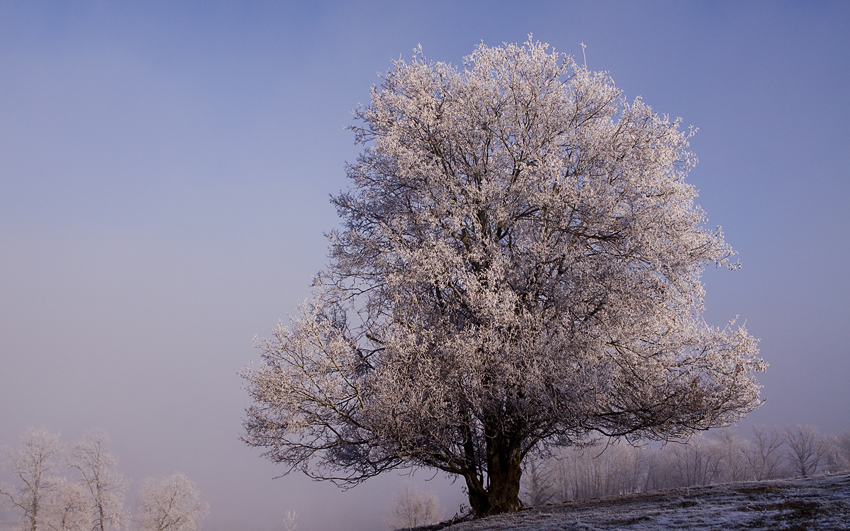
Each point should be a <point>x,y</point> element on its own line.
<point>165,171</point>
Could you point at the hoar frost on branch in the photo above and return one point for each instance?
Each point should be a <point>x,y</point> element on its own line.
<point>519,269</point>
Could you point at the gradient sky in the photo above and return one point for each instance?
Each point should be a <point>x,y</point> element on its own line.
<point>164,178</point>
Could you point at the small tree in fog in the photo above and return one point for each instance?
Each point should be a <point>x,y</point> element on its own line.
<point>34,463</point>
<point>538,487</point>
<point>734,457</point>
<point>806,448</point>
<point>289,521</point>
<point>839,452</point>
<point>697,462</point>
<point>765,456</point>
<point>105,486</point>
<point>601,469</point>
<point>170,504</point>
<point>412,507</point>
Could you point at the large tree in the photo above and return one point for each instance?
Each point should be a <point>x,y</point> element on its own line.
<point>519,267</point>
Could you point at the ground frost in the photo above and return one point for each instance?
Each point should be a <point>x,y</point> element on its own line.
<point>790,504</point>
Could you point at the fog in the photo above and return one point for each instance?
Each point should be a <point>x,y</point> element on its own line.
<point>164,180</point>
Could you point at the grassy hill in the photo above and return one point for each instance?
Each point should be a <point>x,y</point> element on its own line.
<point>791,504</point>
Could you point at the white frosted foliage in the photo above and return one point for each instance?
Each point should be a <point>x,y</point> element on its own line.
<point>518,268</point>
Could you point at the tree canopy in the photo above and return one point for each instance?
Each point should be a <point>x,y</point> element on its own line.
<point>518,267</point>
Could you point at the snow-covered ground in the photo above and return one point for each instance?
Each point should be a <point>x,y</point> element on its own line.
<point>813,503</point>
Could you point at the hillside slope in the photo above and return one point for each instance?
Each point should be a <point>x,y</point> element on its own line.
<point>810,503</point>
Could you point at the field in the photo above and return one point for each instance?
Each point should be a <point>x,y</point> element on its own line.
<point>791,504</point>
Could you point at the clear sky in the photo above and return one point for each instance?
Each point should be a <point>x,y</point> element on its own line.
<point>165,170</point>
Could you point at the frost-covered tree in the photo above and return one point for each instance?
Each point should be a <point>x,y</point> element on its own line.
<point>735,457</point>
<point>840,452</point>
<point>412,507</point>
<point>697,462</point>
<point>603,468</point>
<point>170,504</point>
<point>34,464</point>
<point>290,521</point>
<point>100,478</point>
<point>765,457</point>
<point>806,448</point>
<point>519,266</point>
<point>68,508</point>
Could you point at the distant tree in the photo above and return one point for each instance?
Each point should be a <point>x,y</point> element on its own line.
<point>626,469</point>
<point>68,508</point>
<point>561,480</point>
<point>34,463</point>
<point>734,457</point>
<point>806,448</point>
<point>290,521</point>
<point>105,486</point>
<point>697,462</point>
<point>170,504</point>
<point>603,468</point>
<point>659,471</point>
<point>519,266</point>
<point>537,481</point>
<point>587,472</point>
<point>765,456</point>
<point>840,455</point>
<point>412,507</point>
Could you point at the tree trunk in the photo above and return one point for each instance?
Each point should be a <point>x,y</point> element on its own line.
<point>504,471</point>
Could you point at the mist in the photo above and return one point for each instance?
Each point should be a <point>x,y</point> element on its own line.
<point>164,181</point>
